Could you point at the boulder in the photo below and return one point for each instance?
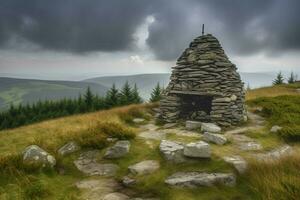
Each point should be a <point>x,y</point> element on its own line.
<point>214,138</point>
<point>197,179</point>
<point>197,150</point>
<point>172,151</point>
<point>238,162</point>
<point>210,127</point>
<point>116,196</point>
<point>144,167</point>
<point>192,125</point>
<point>35,155</point>
<point>138,120</point>
<point>69,148</point>
<point>275,129</point>
<point>120,149</point>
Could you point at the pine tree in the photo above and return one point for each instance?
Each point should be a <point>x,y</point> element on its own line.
<point>279,79</point>
<point>156,94</point>
<point>135,95</point>
<point>112,97</point>
<point>126,96</point>
<point>88,97</point>
<point>292,78</point>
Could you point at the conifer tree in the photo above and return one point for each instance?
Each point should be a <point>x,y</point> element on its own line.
<point>279,79</point>
<point>112,97</point>
<point>126,96</point>
<point>88,97</point>
<point>292,78</point>
<point>156,94</point>
<point>135,95</point>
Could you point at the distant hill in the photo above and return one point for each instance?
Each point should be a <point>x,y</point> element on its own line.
<point>146,82</point>
<point>17,91</point>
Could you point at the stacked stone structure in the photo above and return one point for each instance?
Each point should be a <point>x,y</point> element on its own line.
<point>204,86</point>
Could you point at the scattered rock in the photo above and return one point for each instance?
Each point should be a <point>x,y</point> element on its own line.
<point>192,125</point>
<point>127,181</point>
<point>87,163</point>
<point>196,179</point>
<point>69,148</point>
<point>210,127</point>
<point>154,135</point>
<point>238,162</point>
<point>214,138</point>
<point>276,153</point>
<point>197,150</point>
<point>35,155</point>
<point>144,167</point>
<point>138,120</point>
<point>172,151</point>
<point>169,125</point>
<point>149,127</point>
<point>250,146</point>
<point>115,196</point>
<point>275,129</point>
<point>120,149</point>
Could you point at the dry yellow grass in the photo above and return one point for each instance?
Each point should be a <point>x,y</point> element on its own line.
<point>271,91</point>
<point>53,133</point>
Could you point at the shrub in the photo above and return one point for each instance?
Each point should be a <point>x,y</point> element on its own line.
<point>117,130</point>
<point>35,190</point>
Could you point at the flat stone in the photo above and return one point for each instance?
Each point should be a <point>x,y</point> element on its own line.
<point>197,150</point>
<point>238,162</point>
<point>138,120</point>
<point>276,153</point>
<point>154,135</point>
<point>149,127</point>
<point>33,154</point>
<point>210,127</point>
<point>120,149</point>
<point>144,167</point>
<point>197,179</point>
<point>87,164</point>
<point>192,125</point>
<point>172,151</point>
<point>116,196</point>
<point>69,148</point>
<point>250,146</point>
<point>275,129</point>
<point>214,138</point>
<point>169,125</point>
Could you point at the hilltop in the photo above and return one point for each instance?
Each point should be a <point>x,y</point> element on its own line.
<point>276,179</point>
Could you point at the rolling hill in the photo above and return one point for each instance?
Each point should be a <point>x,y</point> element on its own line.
<point>17,91</point>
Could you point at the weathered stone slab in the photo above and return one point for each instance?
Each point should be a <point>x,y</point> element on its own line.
<point>120,149</point>
<point>214,138</point>
<point>69,148</point>
<point>154,135</point>
<point>138,120</point>
<point>197,179</point>
<point>35,155</point>
<point>275,129</point>
<point>210,127</point>
<point>238,162</point>
<point>276,153</point>
<point>197,150</point>
<point>192,125</point>
<point>144,167</point>
<point>250,146</point>
<point>172,151</point>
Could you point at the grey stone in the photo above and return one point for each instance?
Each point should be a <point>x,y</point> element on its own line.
<point>169,125</point>
<point>154,135</point>
<point>197,150</point>
<point>144,167</point>
<point>138,120</point>
<point>120,149</point>
<point>276,153</point>
<point>69,148</point>
<point>214,138</point>
<point>275,129</point>
<point>197,179</point>
<point>238,162</point>
<point>210,127</point>
<point>172,151</point>
<point>191,125</point>
<point>127,181</point>
<point>35,155</point>
<point>116,196</point>
<point>149,127</point>
<point>250,146</point>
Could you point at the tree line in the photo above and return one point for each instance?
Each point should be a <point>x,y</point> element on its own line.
<point>280,79</point>
<point>21,115</point>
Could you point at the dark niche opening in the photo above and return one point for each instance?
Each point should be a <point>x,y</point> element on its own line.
<point>196,107</point>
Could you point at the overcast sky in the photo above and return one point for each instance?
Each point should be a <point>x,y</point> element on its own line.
<point>77,39</point>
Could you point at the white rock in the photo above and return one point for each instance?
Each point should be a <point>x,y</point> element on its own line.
<point>172,151</point>
<point>233,97</point>
<point>275,129</point>
<point>197,150</point>
<point>276,153</point>
<point>196,179</point>
<point>35,155</point>
<point>69,148</point>
<point>138,120</point>
<point>144,167</point>
<point>120,149</point>
<point>210,127</point>
<point>214,138</point>
<point>191,125</point>
<point>238,162</point>
<point>250,146</point>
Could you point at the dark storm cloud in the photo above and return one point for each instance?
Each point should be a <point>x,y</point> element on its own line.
<point>244,27</point>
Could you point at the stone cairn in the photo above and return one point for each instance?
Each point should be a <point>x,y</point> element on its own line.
<point>204,71</point>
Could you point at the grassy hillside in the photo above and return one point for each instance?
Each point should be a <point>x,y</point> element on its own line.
<point>28,91</point>
<point>263,180</point>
